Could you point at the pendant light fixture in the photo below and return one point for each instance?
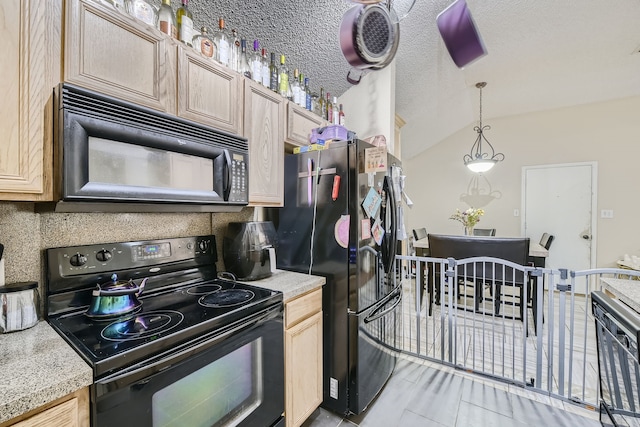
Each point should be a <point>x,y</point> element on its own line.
<point>478,161</point>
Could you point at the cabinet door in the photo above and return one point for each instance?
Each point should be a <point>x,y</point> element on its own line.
<point>63,415</point>
<point>300,122</point>
<point>209,93</point>
<point>264,129</point>
<point>30,45</point>
<point>71,410</point>
<point>113,53</point>
<point>303,370</point>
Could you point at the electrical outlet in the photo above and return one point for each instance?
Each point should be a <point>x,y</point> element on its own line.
<point>516,212</point>
<point>606,213</point>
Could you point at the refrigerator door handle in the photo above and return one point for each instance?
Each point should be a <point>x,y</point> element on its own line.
<point>376,314</point>
<point>389,243</point>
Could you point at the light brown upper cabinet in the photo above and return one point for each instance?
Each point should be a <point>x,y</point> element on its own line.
<point>264,128</point>
<point>30,32</point>
<point>114,54</point>
<point>209,93</point>
<point>300,122</point>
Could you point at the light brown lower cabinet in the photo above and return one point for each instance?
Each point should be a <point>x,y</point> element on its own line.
<point>71,410</point>
<point>303,357</point>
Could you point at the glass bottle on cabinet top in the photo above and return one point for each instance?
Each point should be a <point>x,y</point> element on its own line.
<point>142,11</point>
<point>336,112</point>
<point>283,78</point>
<point>302,99</point>
<point>322,107</point>
<point>244,68</point>
<point>255,60</point>
<point>289,94</point>
<point>295,87</point>
<point>234,51</point>
<point>167,19</point>
<point>184,19</point>
<point>265,68</point>
<point>315,104</point>
<point>203,43</point>
<point>119,5</point>
<point>273,73</point>
<point>221,40</point>
<point>307,92</point>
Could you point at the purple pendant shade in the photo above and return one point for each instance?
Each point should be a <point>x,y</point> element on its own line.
<point>459,33</point>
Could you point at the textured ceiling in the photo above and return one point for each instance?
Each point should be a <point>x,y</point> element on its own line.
<point>542,55</point>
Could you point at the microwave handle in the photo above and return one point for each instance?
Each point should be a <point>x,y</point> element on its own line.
<point>227,175</point>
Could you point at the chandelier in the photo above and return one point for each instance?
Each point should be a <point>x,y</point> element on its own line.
<point>478,161</point>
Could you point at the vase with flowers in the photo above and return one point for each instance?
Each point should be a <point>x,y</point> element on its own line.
<point>468,218</point>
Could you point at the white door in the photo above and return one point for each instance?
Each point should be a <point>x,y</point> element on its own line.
<point>561,200</point>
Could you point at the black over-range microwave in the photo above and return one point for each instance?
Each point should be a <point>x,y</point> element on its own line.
<point>113,155</point>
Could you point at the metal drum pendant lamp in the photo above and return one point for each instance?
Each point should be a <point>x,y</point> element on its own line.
<point>478,161</point>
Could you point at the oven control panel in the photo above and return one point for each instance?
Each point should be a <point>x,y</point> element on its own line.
<point>151,251</point>
<point>109,257</point>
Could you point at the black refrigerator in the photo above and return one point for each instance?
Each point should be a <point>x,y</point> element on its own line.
<point>340,221</point>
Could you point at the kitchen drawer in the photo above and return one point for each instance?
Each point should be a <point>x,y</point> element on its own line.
<point>302,307</point>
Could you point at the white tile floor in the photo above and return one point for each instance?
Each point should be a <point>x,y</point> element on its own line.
<point>460,368</point>
<point>424,394</point>
<point>499,346</point>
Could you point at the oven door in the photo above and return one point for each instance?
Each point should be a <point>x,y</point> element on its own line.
<point>233,377</point>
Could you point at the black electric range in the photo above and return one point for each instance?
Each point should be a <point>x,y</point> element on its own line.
<point>183,299</point>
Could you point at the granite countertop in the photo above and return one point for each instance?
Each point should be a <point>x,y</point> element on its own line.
<point>627,291</point>
<point>290,283</point>
<point>36,367</point>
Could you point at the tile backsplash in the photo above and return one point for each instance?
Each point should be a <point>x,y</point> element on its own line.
<point>25,233</point>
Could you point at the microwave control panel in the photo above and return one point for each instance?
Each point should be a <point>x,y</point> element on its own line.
<point>239,179</point>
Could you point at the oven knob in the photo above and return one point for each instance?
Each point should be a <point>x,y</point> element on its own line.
<point>78,260</point>
<point>203,245</point>
<point>103,255</point>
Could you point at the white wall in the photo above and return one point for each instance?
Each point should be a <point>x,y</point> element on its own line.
<point>608,133</point>
<point>369,109</point>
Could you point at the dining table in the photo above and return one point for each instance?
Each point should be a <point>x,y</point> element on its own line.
<point>536,250</point>
<point>537,258</point>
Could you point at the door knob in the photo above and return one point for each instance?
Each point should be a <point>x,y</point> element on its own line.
<point>586,237</point>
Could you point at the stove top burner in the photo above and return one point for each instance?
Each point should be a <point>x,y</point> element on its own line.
<point>142,326</point>
<point>226,298</point>
<point>203,289</point>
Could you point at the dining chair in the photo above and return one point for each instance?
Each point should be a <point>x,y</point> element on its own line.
<point>546,240</point>
<point>534,261</point>
<point>479,274</point>
<point>484,231</point>
<point>419,233</point>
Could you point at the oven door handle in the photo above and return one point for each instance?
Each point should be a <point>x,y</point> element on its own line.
<point>141,371</point>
